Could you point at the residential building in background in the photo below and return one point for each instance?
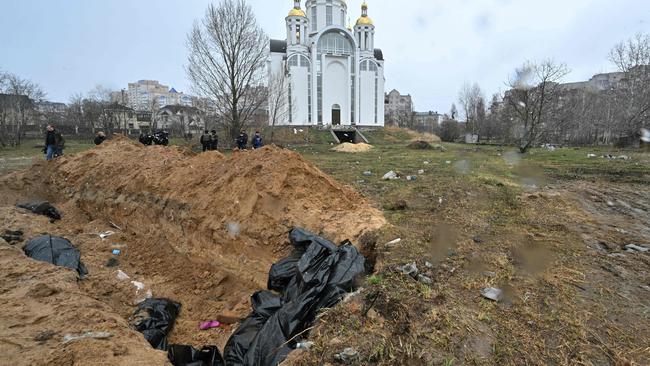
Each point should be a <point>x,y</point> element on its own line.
<point>426,121</point>
<point>599,82</point>
<point>145,95</point>
<point>399,108</point>
<point>336,75</point>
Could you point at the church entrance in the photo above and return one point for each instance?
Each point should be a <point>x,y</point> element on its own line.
<point>336,115</point>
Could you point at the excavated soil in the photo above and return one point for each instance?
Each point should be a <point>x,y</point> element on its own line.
<point>202,230</point>
<point>347,147</point>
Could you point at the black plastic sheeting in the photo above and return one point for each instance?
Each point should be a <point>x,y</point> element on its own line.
<point>57,251</point>
<point>155,318</point>
<point>42,208</point>
<point>188,356</point>
<point>317,275</point>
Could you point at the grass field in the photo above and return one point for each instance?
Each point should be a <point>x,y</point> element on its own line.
<point>542,227</point>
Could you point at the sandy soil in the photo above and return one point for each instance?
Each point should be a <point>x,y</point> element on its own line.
<point>347,147</point>
<point>200,229</point>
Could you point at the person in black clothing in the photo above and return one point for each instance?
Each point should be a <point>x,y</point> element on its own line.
<point>100,138</point>
<point>54,143</point>
<point>242,140</point>
<point>214,140</point>
<point>206,141</point>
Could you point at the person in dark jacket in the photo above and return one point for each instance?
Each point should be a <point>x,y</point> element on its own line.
<point>242,140</point>
<point>214,140</point>
<point>54,143</point>
<point>100,138</point>
<point>257,141</point>
<point>206,141</point>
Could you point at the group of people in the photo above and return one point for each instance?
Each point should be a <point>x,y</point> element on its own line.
<point>210,141</point>
<point>242,140</point>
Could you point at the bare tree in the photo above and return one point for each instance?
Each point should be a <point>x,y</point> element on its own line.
<point>280,107</point>
<point>633,95</point>
<point>469,98</point>
<point>227,60</point>
<point>534,91</point>
<point>18,104</point>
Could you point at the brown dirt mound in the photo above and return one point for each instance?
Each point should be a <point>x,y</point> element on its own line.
<point>200,229</point>
<point>347,147</point>
<point>423,136</point>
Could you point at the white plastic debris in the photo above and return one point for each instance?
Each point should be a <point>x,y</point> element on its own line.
<point>94,335</point>
<point>447,162</point>
<point>138,285</point>
<point>393,242</point>
<point>122,276</point>
<point>421,171</point>
<point>411,178</point>
<point>427,163</point>
<point>233,229</point>
<point>348,356</point>
<point>304,345</point>
<point>295,132</point>
<point>390,176</point>
<point>105,234</point>
<point>492,293</point>
<point>591,155</point>
<point>424,279</point>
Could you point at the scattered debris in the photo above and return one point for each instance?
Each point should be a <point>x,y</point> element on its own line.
<point>116,252</point>
<point>42,208</point>
<point>477,239</point>
<point>616,255</point>
<point>44,336</point>
<point>12,236</point>
<point>209,325</point>
<point>393,242</point>
<point>424,279</point>
<point>304,345</point>
<point>233,229</point>
<point>57,251</point>
<point>122,276</point>
<point>448,162</point>
<point>428,265</point>
<point>94,335</point>
<point>427,162</point>
<point>411,178</point>
<point>637,248</point>
<point>492,293</point>
<point>421,171</point>
<point>348,356</point>
<point>142,292</point>
<point>591,155</point>
<point>105,234</point>
<point>410,269</point>
<point>392,175</point>
<point>367,173</point>
<point>155,318</point>
<point>489,274</point>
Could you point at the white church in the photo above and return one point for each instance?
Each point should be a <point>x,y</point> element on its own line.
<point>335,73</point>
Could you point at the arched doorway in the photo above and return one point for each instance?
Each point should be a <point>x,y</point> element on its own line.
<point>336,115</point>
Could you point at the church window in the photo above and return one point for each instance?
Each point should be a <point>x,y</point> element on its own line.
<point>329,15</point>
<point>335,43</point>
<point>342,17</point>
<point>297,34</point>
<point>314,19</point>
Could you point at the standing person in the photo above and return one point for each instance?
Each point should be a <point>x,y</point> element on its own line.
<point>214,140</point>
<point>100,138</point>
<point>242,140</point>
<point>50,143</point>
<point>206,141</point>
<point>257,141</point>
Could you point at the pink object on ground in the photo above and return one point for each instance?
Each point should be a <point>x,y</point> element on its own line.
<point>209,325</point>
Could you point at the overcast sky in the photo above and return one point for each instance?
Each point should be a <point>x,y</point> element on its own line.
<point>431,47</point>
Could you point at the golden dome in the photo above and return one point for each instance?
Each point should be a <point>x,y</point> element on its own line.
<point>296,12</point>
<point>364,20</point>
